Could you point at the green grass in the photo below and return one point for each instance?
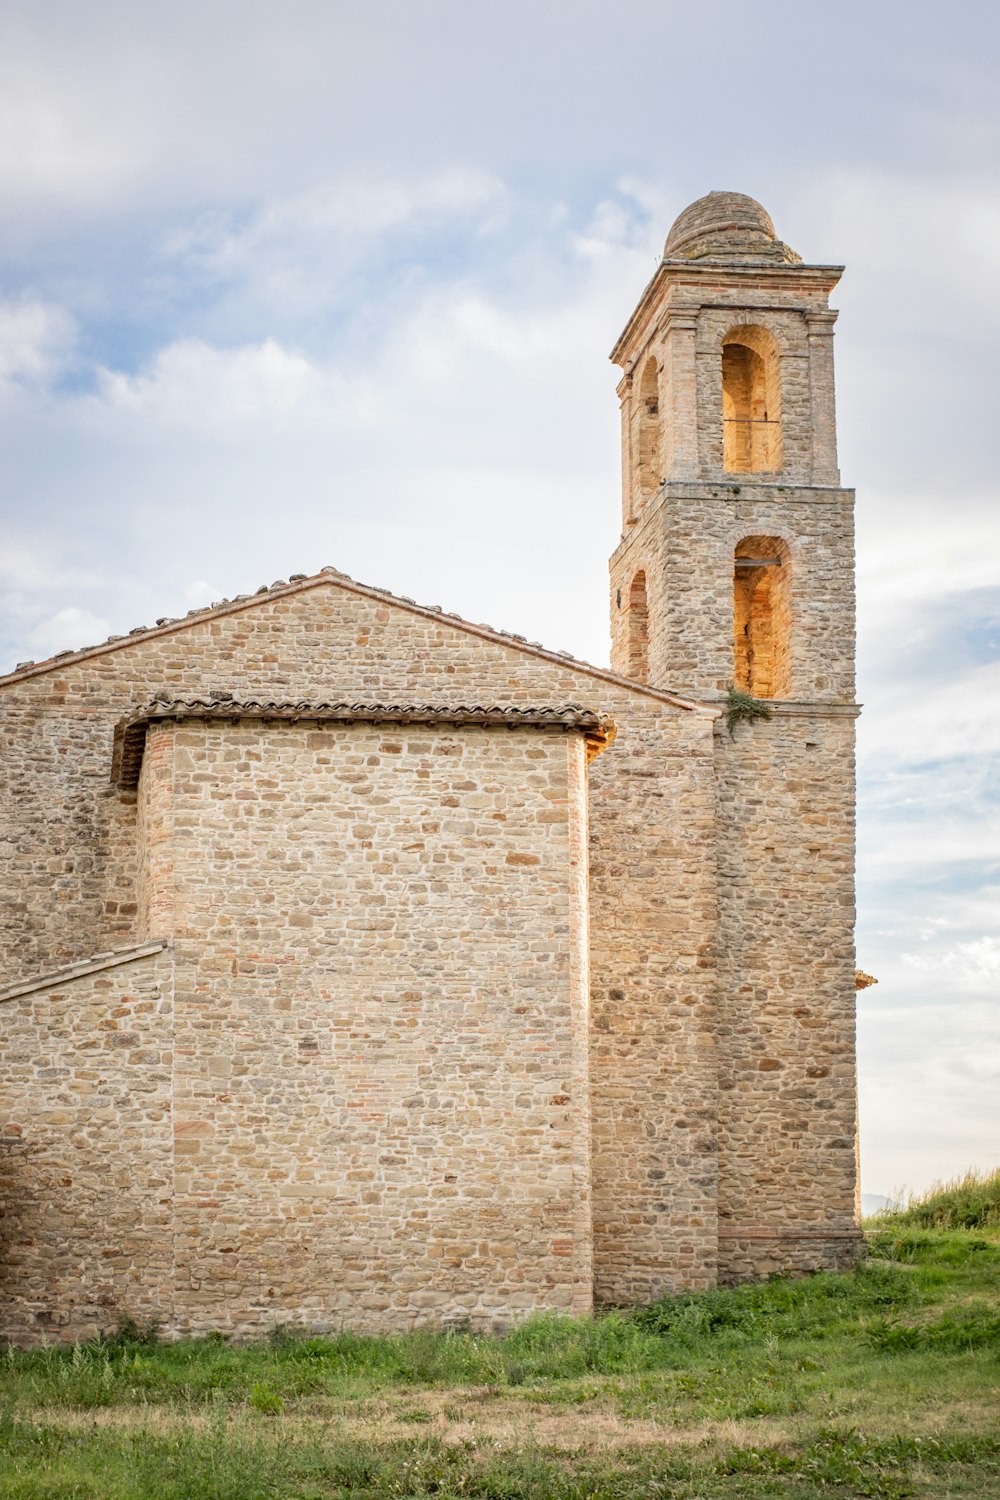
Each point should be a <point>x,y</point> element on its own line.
<point>882,1383</point>
<point>971,1201</point>
<point>676,1334</point>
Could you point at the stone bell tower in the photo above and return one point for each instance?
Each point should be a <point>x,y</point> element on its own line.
<point>735,569</point>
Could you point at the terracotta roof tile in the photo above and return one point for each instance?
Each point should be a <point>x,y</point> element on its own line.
<point>130,732</point>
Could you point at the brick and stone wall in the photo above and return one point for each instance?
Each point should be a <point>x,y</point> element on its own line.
<point>653,1012</point>
<point>686,317</point>
<point>785,788</point>
<point>381,1109</point>
<point>787,1066</point>
<point>651,890</point>
<point>86,1151</point>
<point>686,547</point>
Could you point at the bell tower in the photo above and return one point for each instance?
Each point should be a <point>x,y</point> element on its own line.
<point>733,519</point>
<point>735,569</point>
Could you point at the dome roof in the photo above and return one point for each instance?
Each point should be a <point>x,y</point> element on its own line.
<point>729,227</point>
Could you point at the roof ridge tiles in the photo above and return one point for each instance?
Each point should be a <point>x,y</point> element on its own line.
<point>302,581</point>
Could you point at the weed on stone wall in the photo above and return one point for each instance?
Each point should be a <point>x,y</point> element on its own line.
<point>743,708</point>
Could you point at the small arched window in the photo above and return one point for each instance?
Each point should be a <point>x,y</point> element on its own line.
<point>637,624</point>
<point>648,447</point>
<point>751,402</point>
<point>762,624</point>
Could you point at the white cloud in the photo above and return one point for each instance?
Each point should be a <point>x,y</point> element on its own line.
<point>36,339</point>
<point>68,629</point>
<point>925,560</point>
<point>265,387</point>
<point>24,569</point>
<point>901,230</point>
<point>290,257</point>
<point>359,210</point>
<point>199,593</point>
<point>970,964</point>
<point>58,134</point>
<point>933,720</point>
<point>930,1105</point>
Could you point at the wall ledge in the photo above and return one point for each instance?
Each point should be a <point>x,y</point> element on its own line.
<point>79,970</point>
<point>790,1232</point>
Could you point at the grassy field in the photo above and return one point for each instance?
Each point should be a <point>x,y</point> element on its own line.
<point>882,1383</point>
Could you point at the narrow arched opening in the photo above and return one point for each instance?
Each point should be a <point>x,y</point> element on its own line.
<point>751,402</point>
<point>762,624</point>
<point>638,629</point>
<point>648,436</point>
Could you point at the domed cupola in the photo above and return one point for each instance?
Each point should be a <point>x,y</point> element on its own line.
<point>727,227</point>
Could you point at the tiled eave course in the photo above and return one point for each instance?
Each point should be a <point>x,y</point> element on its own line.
<point>301,582</point>
<point>130,732</point>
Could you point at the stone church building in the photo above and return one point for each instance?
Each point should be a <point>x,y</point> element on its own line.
<point>367,966</point>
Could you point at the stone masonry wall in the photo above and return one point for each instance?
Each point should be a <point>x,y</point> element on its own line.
<point>785,820</point>
<point>70,835</point>
<point>685,545</point>
<point>787,1094</point>
<point>380,1092</point>
<point>687,314</point>
<point>653,1017</point>
<point>789,331</point>
<point>785,788</point>
<point>86,1153</point>
<point>73,836</point>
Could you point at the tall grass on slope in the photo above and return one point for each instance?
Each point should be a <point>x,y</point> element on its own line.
<point>968,1202</point>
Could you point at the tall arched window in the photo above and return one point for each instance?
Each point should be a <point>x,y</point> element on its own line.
<point>638,629</point>
<point>648,447</point>
<point>762,623</point>
<point>751,402</point>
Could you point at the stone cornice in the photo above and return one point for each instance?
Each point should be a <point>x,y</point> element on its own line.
<point>802,277</point>
<point>796,708</point>
<point>806,1233</point>
<point>56,978</point>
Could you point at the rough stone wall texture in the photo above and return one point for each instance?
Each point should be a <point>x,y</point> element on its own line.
<point>683,322</point>
<point>785,788</point>
<point>380,1092</point>
<point>653,1051</point>
<point>652,883</point>
<point>785,851</point>
<point>86,1158</point>
<point>70,834</point>
<point>790,334</point>
<point>686,545</point>
<point>787,1100</point>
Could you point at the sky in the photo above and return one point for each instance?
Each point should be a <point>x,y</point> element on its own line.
<point>318,283</point>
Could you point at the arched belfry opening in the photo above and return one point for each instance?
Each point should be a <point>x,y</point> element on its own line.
<point>648,447</point>
<point>751,402</point>
<point>638,630</point>
<point>762,624</point>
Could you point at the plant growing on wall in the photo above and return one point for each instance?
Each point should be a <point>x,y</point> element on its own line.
<point>743,708</point>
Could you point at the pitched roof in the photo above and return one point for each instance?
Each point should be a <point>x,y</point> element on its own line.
<point>301,582</point>
<point>130,732</point>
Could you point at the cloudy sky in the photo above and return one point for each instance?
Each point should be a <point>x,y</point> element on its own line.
<point>326,283</point>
